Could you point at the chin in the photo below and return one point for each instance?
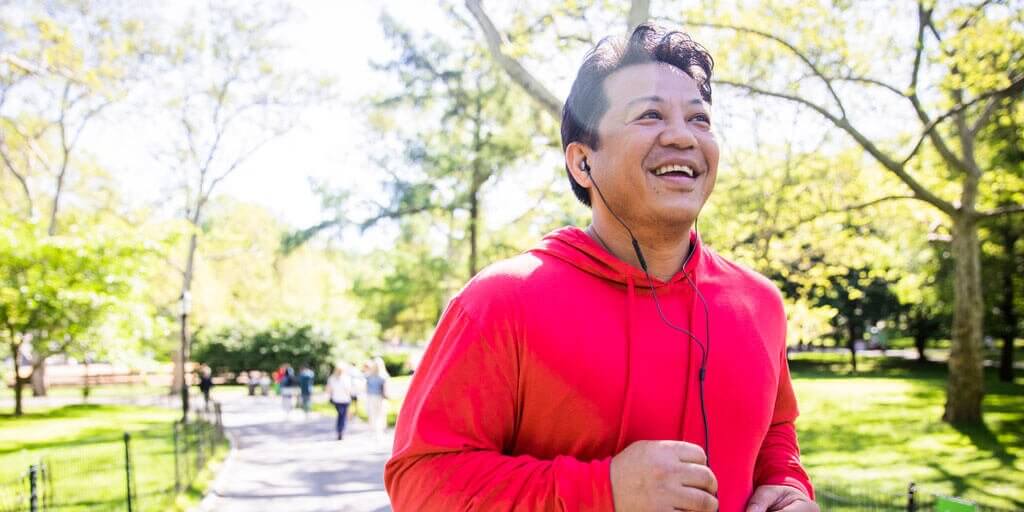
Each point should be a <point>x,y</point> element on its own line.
<point>679,218</point>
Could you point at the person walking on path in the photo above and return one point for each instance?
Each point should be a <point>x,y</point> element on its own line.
<point>340,392</point>
<point>306,377</point>
<point>279,378</point>
<point>205,384</point>
<point>289,388</point>
<point>376,392</point>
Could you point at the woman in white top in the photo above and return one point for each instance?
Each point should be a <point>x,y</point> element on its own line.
<point>339,392</point>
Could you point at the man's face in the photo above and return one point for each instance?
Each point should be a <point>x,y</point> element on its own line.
<point>658,156</point>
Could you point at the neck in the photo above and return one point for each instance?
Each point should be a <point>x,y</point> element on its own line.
<point>663,252</point>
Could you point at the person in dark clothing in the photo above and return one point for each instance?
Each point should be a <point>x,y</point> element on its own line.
<point>306,388</point>
<point>289,384</point>
<point>340,392</point>
<point>206,384</point>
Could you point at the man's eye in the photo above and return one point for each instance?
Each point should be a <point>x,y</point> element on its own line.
<point>702,118</point>
<point>650,114</point>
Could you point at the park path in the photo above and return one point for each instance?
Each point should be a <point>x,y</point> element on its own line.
<point>288,462</point>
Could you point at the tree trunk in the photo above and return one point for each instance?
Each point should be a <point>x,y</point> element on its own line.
<point>475,183</point>
<point>965,387</point>
<point>176,373</point>
<point>39,379</point>
<point>1006,373</point>
<point>474,214</point>
<point>639,12</point>
<point>1009,299</point>
<point>852,344</point>
<point>18,383</point>
<point>920,343</point>
<point>186,286</point>
<point>853,356</point>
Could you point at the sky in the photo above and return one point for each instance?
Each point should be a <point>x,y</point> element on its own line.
<point>330,37</point>
<point>337,38</point>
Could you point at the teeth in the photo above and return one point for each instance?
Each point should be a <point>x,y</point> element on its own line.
<point>675,168</point>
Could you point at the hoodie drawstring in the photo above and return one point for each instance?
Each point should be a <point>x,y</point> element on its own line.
<point>630,299</point>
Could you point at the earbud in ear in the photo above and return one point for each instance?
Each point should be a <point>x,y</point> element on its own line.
<point>584,166</point>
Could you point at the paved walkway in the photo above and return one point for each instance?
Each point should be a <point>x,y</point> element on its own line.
<point>286,462</point>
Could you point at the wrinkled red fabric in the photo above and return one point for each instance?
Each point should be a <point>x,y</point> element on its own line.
<point>548,364</point>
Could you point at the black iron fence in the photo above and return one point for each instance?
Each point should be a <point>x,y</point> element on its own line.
<point>140,470</point>
<point>840,498</point>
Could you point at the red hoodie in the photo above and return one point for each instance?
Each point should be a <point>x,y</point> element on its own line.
<point>548,364</point>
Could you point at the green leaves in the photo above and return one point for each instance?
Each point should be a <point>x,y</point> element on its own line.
<point>57,292</point>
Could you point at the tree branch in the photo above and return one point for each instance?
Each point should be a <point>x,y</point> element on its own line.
<point>515,70</point>
<point>21,179</point>
<point>1006,210</point>
<point>817,215</point>
<point>292,241</point>
<point>639,12</point>
<point>870,81</point>
<point>89,114</point>
<point>789,46</point>
<point>243,157</point>
<point>393,214</point>
<point>923,22</point>
<point>895,167</point>
<point>1015,87</point>
<point>65,156</point>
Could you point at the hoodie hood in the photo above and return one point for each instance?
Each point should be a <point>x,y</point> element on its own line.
<point>574,246</point>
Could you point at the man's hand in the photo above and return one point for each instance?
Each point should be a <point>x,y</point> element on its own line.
<point>768,498</point>
<point>663,475</point>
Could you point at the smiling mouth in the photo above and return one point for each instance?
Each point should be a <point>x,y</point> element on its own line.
<point>676,170</point>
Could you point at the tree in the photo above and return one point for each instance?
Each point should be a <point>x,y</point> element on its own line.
<point>463,130</point>
<point>1003,238</point>
<point>961,64</point>
<point>60,70</point>
<point>232,100</point>
<point>56,291</point>
<point>1003,260</point>
<point>238,349</point>
<point>977,71</point>
<point>408,288</point>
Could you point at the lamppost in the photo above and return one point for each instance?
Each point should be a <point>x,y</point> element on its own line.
<point>184,306</point>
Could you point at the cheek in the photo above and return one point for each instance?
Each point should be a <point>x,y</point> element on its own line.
<point>710,148</point>
<point>709,145</point>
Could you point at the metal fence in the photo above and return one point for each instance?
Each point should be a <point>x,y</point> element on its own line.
<point>141,470</point>
<point>841,498</point>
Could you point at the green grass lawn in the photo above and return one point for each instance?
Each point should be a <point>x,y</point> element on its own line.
<point>83,449</point>
<point>876,431</point>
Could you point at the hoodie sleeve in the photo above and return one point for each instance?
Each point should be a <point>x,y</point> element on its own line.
<point>778,461</point>
<point>457,422</point>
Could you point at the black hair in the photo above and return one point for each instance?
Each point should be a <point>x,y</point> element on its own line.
<point>587,103</point>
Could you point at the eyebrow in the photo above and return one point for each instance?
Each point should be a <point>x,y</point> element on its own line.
<point>659,99</point>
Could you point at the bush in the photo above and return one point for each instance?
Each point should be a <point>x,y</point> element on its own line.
<point>239,349</point>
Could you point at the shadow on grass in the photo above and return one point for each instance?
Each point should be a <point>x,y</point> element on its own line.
<point>961,487</point>
<point>825,365</point>
<point>64,412</point>
<point>984,439</point>
<point>108,427</point>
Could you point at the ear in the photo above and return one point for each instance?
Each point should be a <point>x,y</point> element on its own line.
<point>575,154</point>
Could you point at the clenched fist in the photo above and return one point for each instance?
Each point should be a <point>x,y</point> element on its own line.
<point>661,476</point>
<point>771,498</point>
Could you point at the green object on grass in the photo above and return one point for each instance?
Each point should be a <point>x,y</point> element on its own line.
<point>944,504</point>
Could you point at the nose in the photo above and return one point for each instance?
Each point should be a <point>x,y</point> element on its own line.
<point>678,134</point>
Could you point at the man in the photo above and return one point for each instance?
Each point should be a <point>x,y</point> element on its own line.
<point>306,377</point>
<point>622,367</point>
